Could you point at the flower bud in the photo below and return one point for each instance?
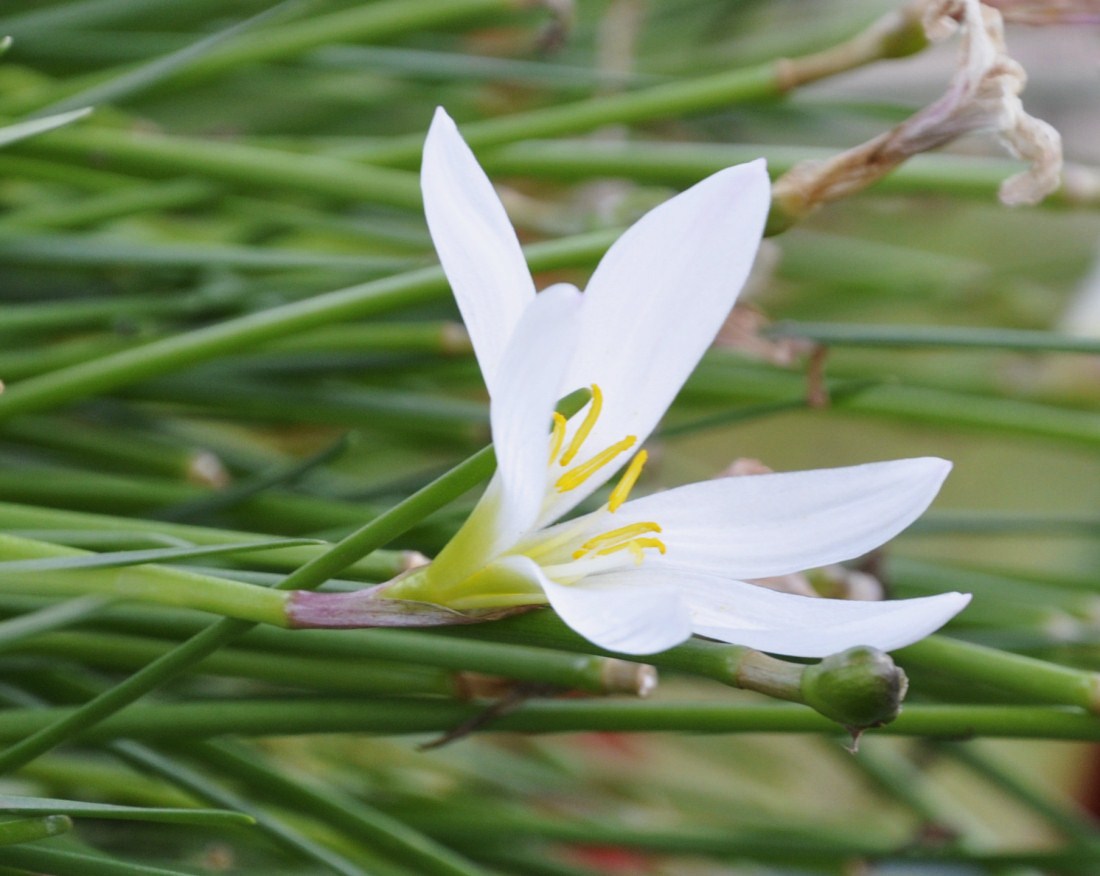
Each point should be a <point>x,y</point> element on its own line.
<point>859,688</point>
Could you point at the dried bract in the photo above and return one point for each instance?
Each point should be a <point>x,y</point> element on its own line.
<point>983,96</point>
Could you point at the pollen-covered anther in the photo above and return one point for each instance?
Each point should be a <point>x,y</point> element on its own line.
<point>580,473</point>
<point>584,429</point>
<point>626,483</point>
<point>557,435</point>
<point>634,538</point>
<point>617,536</point>
<point>637,548</point>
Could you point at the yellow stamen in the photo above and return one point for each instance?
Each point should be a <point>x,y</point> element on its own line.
<point>621,539</point>
<point>626,483</point>
<point>586,426</point>
<point>651,543</point>
<point>579,474</point>
<point>623,533</point>
<point>557,437</point>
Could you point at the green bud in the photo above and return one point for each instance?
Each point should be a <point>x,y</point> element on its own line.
<point>859,688</point>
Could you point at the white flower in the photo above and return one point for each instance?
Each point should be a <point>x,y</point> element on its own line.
<point>641,576</point>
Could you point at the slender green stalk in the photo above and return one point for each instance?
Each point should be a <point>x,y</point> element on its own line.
<point>415,413</point>
<point>185,350</point>
<point>20,364</point>
<point>856,688</point>
<point>1064,815</point>
<point>29,830</point>
<point>683,164</point>
<point>895,34</point>
<point>13,133</point>
<point>338,810</point>
<point>905,336</point>
<point>109,445</point>
<point>213,792</point>
<point>338,677</point>
<point>346,651</point>
<point>97,250</point>
<point>232,162</point>
<point>896,775</point>
<point>19,319</point>
<point>52,617</point>
<point>721,376</point>
<point>157,584</point>
<point>411,715</point>
<point>115,86</point>
<point>1034,680</point>
<point>363,541</point>
<point>963,522</point>
<point>58,862</point>
<point>375,22</point>
<point>96,210</point>
<point>278,509</point>
<point>18,805</point>
<point>36,522</point>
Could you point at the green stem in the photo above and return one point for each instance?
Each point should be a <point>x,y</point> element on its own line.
<point>683,164</point>
<point>535,665</point>
<point>93,444</point>
<point>330,676</point>
<point>363,541</point>
<point>721,376</point>
<point>57,862</point>
<point>893,35</point>
<point>213,792</point>
<point>907,336</point>
<point>238,164</point>
<point>277,509</point>
<point>410,715</point>
<point>1064,815</point>
<point>29,830</point>
<point>345,813</point>
<point>857,688</point>
<point>142,198</point>
<point>351,407</point>
<point>1035,680</point>
<point>147,583</point>
<point>185,350</point>
<point>379,566</point>
<point>372,23</point>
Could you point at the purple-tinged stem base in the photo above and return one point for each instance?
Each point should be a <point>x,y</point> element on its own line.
<point>369,608</point>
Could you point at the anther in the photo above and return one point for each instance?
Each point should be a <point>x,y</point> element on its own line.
<point>586,426</point>
<point>623,533</point>
<point>636,546</point>
<point>626,483</point>
<point>619,540</point>
<point>579,474</point>
<point>557,436</point>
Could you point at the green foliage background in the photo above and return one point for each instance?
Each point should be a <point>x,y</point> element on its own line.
<point>245,161</point>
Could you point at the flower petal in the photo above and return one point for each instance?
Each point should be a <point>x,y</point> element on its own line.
<point>806,626</point>
<point>475,242</point>
<point>530,382</point>
<point>528,386</point>
<point>631,612</point>
<point>657,300</point>
<point>758,526</point>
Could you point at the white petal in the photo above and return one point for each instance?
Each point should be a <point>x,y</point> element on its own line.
<point>805,626</point>
<point>528,387</point>
<point>758,526</point>
<point>631,612</point>
<point>475,242</point>
<point>658,298</point>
